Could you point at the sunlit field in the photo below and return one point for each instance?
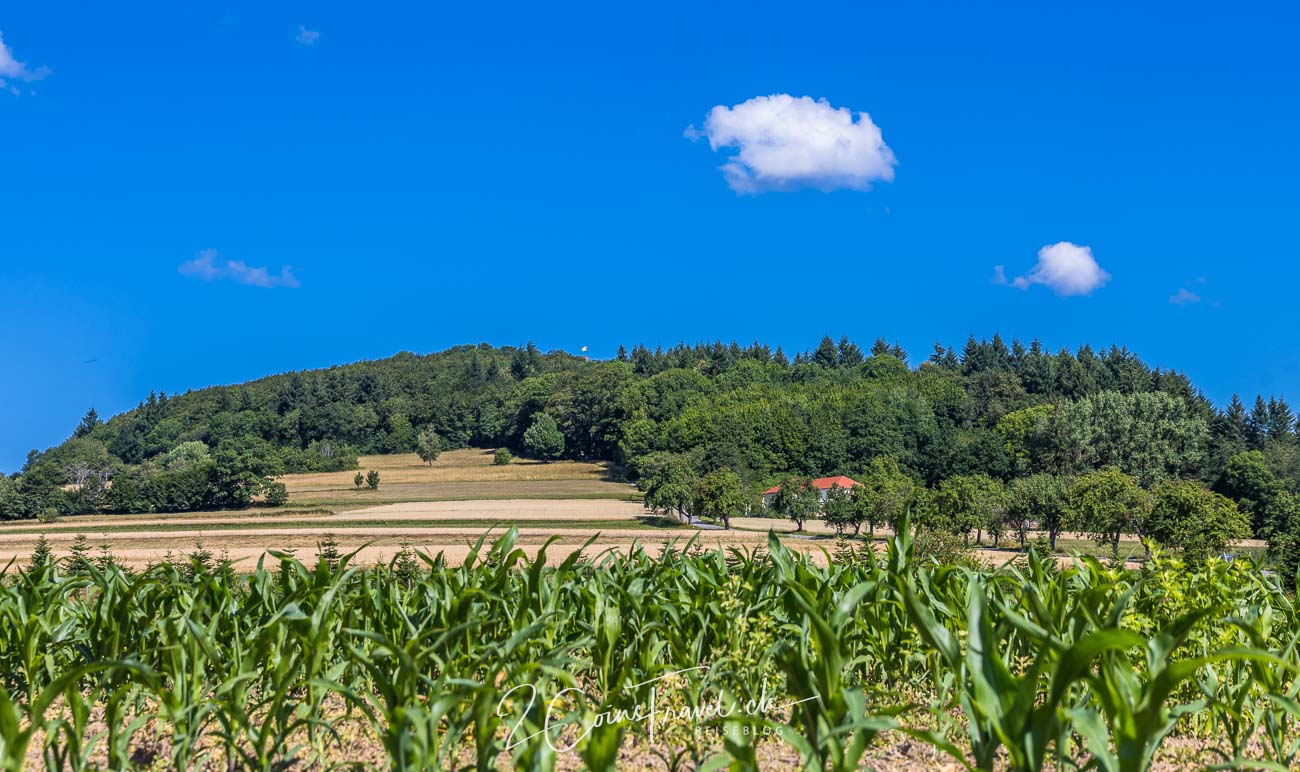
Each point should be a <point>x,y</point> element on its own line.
<point>441,508</point>
<point>457,475</point>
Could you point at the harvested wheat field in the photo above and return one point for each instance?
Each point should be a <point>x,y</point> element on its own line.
<point>378,531</point>
<point>458,475</point>
<point>245,557</point>
<point>603,511</point>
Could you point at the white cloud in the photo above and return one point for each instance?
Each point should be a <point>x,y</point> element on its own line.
<point>307,36</point>
<point>1184,297</point>
<point>785,143</point>
<point>12,69</point>
<point>1065,268</point>
<point>208,268</point>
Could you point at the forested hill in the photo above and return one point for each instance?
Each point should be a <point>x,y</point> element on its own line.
<point>1005,411</point>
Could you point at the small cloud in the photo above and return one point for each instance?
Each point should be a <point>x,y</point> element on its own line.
<point>307,36</point>
<point>999,275</point>
<point>208,268</point>
<point>1184,297</point>
<point>13,70</point>
<point>786,143</point>
<point>1066,269</point>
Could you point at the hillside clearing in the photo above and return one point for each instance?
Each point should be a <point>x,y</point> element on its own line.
<point>457,475</point>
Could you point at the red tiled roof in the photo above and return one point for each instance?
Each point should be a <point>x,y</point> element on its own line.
<point>824,483</point>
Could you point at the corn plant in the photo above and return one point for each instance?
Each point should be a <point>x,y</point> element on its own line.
<point>506,659</point>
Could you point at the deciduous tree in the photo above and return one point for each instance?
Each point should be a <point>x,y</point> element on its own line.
<point>719,496</point>
<point>1038,500</point>
<point>797,500</point>
<point>668,482</point>
<point>1190,518</point>
<point>543,439</point>
<point>885,494</point>
<point>428,445</point>
<point>842,509</point>
<point>1107,504</point>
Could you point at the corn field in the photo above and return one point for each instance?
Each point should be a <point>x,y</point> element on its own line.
<point>685,659</point>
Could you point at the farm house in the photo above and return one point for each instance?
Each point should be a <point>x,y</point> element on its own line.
<point>822,484</point>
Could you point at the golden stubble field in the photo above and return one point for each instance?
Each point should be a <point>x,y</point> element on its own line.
<point>449,528</point>
<point>458,475</point>
<point>440,508</point>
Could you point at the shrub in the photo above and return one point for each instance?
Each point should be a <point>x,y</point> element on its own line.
<point>502,456</point>
<point>943,547</point>
<point>276,495</point>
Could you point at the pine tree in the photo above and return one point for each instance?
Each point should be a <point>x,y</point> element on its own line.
<point>945,358</point>
<point>372,480</point>
<point>1036,370</point>
<point>89,422</point>
<point>358,480</point>
<point>1257,425</point>
<point>826,354</point>
<point>1018,353</point>
<point>1228,432</point>
<point>406,566</point>
<point>1090,363</point>
<point>105,560</point>
<point>999,354</point>
<point>622,353</point>
<point>42,556</point>
<point>1235,423</point>
<point>225,566</point>
<point>972,359</point>
<point>328,550</point>
<point>642,360</point>
<point>1281,420</point>
<point>200,560</point>
<point>79,556</point>
<point>474,372</point>
<point>849,353</point>
<point>521,364</point>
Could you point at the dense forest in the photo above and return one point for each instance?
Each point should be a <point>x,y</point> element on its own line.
<point>994,426</point>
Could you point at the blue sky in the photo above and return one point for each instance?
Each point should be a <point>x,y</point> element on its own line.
<point>433,176</point>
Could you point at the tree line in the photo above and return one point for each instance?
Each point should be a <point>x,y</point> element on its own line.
<point>1185,516</point>
<point>990,417</point>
